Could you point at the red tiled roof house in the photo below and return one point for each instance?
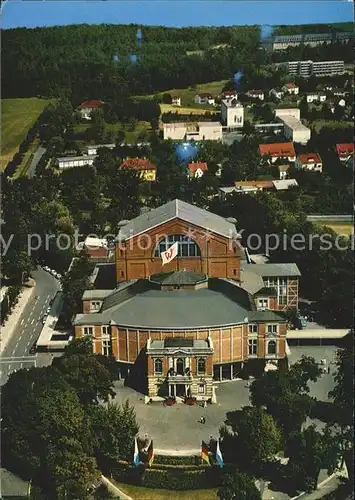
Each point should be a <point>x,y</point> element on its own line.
<point>345,151</point>
<point>147,170</point>
<point>309,161</point>
<point>197,170</point>
<point>278,151</point>
<point>86,108</point>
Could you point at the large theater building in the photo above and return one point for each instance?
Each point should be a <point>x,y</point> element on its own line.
<point>204,316</point>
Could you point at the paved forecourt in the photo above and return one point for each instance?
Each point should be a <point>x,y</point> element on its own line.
<point>176,428</point>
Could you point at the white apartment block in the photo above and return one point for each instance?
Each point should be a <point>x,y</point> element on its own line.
<point>293,127</point>
<point>232,113</point>
<point>305,69</point>
<point>198,131</point>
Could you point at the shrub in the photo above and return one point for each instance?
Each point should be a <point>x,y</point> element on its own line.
<point>168,479</point>
<point>190,401</point>
<point>177,461</point>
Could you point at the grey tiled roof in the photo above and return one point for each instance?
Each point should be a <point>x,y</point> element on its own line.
<point>251,282</point>
<point>160,309</point>
<point>178,278</point>
<point>269,269</point>
<point>177,209</point>
<point>96,294</point>
<point>256,316</point>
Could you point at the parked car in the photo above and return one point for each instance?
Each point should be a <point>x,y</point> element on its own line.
<point>46,268</point>
<point>44,318</point>
<point>33,348</point>
<point>49,309</point>
<point>59,276</point>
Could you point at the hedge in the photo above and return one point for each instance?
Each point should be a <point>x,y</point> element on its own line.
<point>169,460</point>
<point>168,479</point>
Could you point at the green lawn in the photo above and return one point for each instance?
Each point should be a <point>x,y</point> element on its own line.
<point>188,95</point>
<point>344,228</point>
<point>318,124</point>
<point>17,117</point>
<point>130,136</point>
<point>139,493</point>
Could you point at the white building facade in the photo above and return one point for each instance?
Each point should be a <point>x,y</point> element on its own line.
<point>232,113</point>
<point>198,131</point>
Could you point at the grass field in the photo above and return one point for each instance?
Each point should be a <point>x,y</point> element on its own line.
<point>345,228</point>
<point>139,493</point>
<point>130,137</point>
<point>318,124</point>
<point>188,95</point>
<point>165,108</point>
<point>17,117</point>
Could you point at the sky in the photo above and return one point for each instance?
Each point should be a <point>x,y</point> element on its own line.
<point>19,13</point>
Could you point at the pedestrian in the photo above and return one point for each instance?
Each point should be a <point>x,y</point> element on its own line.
<point>205,404</point>
<point>328,369</point>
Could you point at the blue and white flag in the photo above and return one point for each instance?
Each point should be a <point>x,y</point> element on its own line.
<point>219,457</point>
<point>136,453</point>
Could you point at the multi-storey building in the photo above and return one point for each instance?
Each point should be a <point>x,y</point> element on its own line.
<point>195,319</point>
<point>232,113</point>
<point>282,42</point>
<point>305,69</point>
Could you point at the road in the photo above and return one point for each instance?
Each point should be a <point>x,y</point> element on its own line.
<point>31,171</point>
<point>16,354</point>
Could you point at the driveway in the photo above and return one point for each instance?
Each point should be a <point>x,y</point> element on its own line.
<point>31,171</point>
<point>16,354</point>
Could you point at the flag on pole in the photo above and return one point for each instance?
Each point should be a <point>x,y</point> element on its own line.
<point>136,453</point>
<point>150,454</point>
<point>170,253</point>
<point>219,457</point>
<point>204,453</point>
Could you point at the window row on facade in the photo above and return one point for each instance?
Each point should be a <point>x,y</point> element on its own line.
<point>271,347</point>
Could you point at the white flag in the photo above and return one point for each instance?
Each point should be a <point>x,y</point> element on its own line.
<point>170,253</point>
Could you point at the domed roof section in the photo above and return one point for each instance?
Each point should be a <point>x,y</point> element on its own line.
<point>178,278</point>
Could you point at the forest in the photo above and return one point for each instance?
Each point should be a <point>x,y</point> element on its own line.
<point>85,61</point>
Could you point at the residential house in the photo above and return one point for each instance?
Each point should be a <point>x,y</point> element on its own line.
<point>205,99</point>
<point>315,97</point>
<point>256,94</point>
<point>97,249</point>
<point>229,94</point>
<point>254,185</point>
<point>146,169</point>
<point>87,107</point>
<point>283,171</point>
<point>175,100</point>
<point>309,161</point>
<point>339,92</point>
<point>345,151</point>
<point>278,151</point>
<point>196,170</point>
<point>291,88</point>
<point>276,93</point>
<point>75,161</point>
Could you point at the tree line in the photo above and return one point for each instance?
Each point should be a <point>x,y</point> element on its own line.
<point>77,61</point>
<point>60,426</point>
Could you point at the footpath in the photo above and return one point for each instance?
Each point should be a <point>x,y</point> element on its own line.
<point>10,325</point>
<point>113,489</point>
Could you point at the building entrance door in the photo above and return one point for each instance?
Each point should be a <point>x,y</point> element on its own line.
<point>180,390</point>
<point>180,366</point>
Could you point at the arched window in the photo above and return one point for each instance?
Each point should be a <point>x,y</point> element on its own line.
<point>158,366</point>
<point>271,347</point>
<point>186,248</point>
<point>180,366</point>
<point>201,366</point>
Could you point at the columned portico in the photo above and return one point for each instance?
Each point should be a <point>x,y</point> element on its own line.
<point>183,366</point>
